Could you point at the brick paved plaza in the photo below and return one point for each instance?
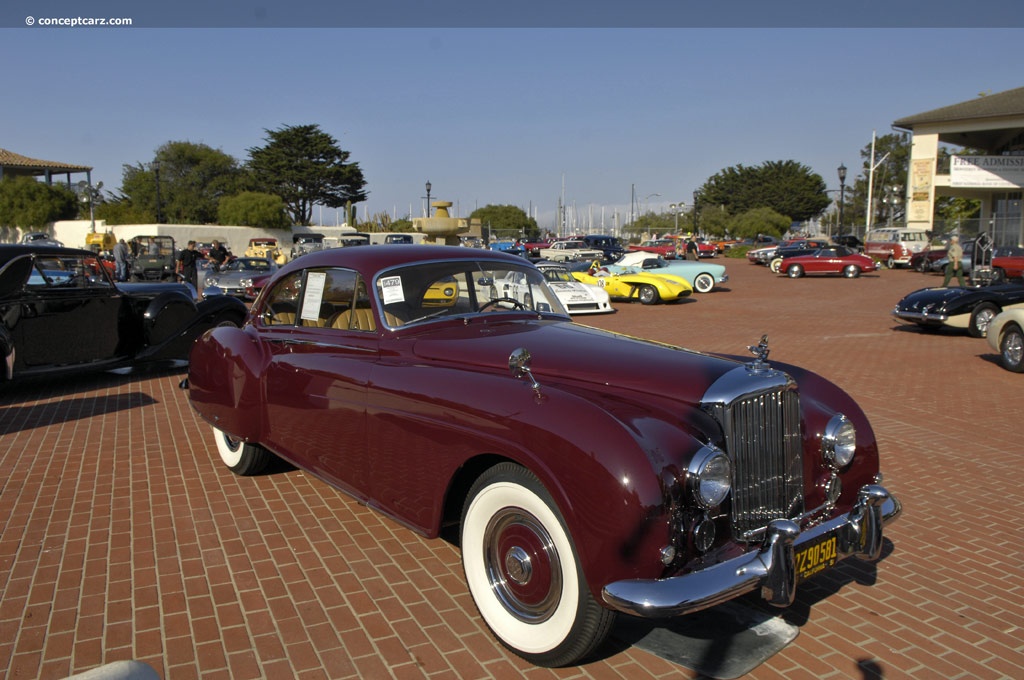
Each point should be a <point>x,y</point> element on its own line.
<point>122,536</point>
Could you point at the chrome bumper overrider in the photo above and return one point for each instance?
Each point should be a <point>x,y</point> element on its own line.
<point>772,567</point>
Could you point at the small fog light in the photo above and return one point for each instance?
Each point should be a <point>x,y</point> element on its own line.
<point>704,535</point>
<point>833,489</point>
<point>668,555</point>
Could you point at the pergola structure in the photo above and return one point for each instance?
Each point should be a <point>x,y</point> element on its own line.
<point>990,169</point>
<point>16,165</point>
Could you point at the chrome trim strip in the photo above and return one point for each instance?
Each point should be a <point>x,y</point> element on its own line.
<point>919,316</point>
<point>771,568</point>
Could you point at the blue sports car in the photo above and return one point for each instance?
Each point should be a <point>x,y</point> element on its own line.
<point>701,275</point>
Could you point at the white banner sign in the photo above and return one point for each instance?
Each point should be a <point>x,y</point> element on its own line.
<point>996,172</point>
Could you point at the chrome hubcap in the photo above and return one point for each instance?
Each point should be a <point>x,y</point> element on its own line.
<point>1013,348</point>
<point>523,567</point>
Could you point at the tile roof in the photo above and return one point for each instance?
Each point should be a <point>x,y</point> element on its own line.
<point>1008,103</point>
<point>9,159</point>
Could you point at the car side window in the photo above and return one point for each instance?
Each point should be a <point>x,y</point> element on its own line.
<point>282,302</point>
<point>67,271</point>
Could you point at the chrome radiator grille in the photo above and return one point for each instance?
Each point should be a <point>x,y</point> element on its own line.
<point>762,438</point>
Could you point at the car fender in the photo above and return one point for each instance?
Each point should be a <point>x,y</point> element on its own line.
<point>6,353</point>
<point>994,337</point>
<point>610,473</point>
<point>173,320</point>
<point>223,386</point>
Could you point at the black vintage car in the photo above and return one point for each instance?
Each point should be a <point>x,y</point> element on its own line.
<point>61,311</point>
<point>970,308</point>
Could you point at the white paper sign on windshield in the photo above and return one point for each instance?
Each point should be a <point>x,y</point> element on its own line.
<point>313,296</point>
<point>391,290</point>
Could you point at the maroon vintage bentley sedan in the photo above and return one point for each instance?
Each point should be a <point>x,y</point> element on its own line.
<point>588,472</point>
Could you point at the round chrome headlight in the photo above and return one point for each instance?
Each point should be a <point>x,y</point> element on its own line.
<point>709,477</point>
<point>839,442</point>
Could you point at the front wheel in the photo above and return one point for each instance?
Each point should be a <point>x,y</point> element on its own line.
<point>523,573</point>
<point>851,271</point>
<point>242,458</point>
<point>981,317</point>
<point>703,283</point>
<point>1011,348</point>
<point>648,294</point>
<point>890,263</point>
<point>775,265</point>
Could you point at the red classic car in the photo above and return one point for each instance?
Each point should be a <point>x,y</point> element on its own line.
<point>406,377</point>
<point>533,248</point>
<point>665,247</point>
<point>927,260</point>
<point>831,260</point>
<point>1008,263</point>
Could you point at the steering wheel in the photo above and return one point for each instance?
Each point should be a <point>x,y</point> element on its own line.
<point>512,301</point>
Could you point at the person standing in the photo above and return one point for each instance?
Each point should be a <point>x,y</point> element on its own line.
<point>187,265</point>
<point>218,255</point>
<point>955,265</point>
<point>692,250</point>
<point>121,261</point>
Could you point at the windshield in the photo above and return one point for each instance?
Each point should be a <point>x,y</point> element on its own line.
<point>433,290</point>
<point>558,274</point>
<point>248,265</point>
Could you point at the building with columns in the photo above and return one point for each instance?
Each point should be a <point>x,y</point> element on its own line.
<point>987,166</point>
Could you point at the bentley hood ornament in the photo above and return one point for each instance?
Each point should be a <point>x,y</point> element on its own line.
<point>760,352</point>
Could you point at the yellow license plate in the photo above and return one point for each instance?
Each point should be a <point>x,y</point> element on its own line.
<point>815,557</point>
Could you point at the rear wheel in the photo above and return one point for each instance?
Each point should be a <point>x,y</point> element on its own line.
<point>703,283</point>
<point>648,294</point>
<point>523,573</point>
<point>242,458</point>
<point>981,317</point>
<point>851,271</point>
<point>795,271</point>
<point>1011,348</point>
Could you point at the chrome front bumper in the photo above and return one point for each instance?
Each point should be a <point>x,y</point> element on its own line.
<point>772,568</point>
<point>920,317</point>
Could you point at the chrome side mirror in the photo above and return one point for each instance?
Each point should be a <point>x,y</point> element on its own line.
<point>519,364</point>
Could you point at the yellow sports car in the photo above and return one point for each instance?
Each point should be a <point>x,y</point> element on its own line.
<point>647,288</point>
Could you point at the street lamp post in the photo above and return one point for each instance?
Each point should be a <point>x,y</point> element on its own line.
<point>428,197</point>
<point>694,213</point>
<point>891,199</point>
<point>156,175</point>
<point>677,208</point>
<point>842,194</point>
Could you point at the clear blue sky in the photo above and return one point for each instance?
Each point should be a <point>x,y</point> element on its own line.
<point>492,114</point>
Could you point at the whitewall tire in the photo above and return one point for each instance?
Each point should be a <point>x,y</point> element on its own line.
<point>240,457</point>
<point>523,573</point>
<point>704,283</point>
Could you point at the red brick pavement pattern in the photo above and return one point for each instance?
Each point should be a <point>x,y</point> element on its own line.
<point>122,537</point>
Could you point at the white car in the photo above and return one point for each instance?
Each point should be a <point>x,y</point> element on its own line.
<point>569,251</point>
<point>576,297</point>
<point>1006,336</point>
